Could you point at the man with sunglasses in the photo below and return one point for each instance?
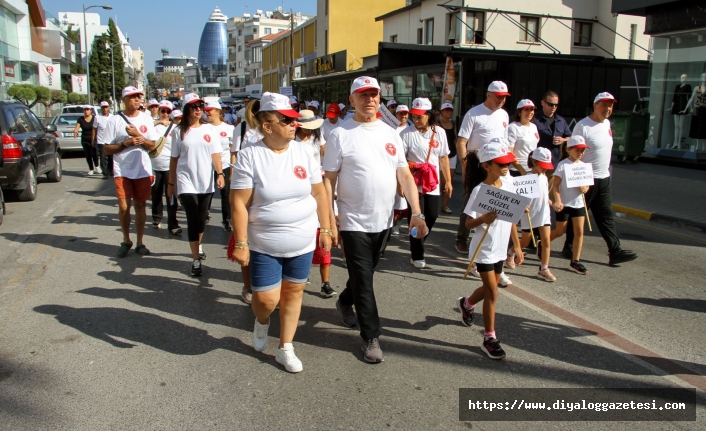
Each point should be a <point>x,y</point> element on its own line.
<point>553,128</point>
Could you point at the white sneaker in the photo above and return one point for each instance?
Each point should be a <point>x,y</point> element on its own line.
<point>89,173</point>
<point>395,231</point>
<point>98,170</point>
<point>474,271</point>
<point>419,264</point>
<point>259,336</point>
<point>504,280</point>
<point>286,357</point>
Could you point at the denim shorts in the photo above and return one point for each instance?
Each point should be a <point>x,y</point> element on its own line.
<point>267,272</point>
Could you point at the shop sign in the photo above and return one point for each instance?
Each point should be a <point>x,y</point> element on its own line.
<point>323,64</point>
<point>9,71</point>
<point>335,62</point>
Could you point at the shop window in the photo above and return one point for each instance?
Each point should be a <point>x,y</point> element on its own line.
<point>529,31</point>
<point>393,38</point>
<point>420,36</point>
<point>583,33</point>
<point>429,25</point>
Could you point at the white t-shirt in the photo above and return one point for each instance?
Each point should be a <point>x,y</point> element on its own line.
<point>599,137</point>
<point>366,157</point>
<point>315,145</point>
<point>539,207</point>
<point>195,165</point>
<point>251,136</point>
<point>133,162</point>
<point>101,126</point>
<point>523,140</point>
<point>282,217</point>
<point>416,149</point>
<point>480,125</point>
<point>225,137</point>
<point>570,197</point>
<point>327,127</point>
<point>494,247</point>
<point>400,203</point>
<point>161,162</point>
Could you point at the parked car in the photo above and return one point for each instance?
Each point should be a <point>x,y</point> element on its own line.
<point>78,109</point>
<point>65,125</point>
<point>28,150</point>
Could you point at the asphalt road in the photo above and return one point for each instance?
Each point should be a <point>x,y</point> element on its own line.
<point>90,342</point>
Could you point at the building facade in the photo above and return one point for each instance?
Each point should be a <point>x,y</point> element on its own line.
<point>172,64</point>
<point>211,76</point>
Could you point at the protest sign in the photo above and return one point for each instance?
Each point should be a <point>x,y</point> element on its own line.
<point>286,91</point>
<point>388,117</point>
<point>509,206</point>
<point>579,174</point>
<point>527,186</point>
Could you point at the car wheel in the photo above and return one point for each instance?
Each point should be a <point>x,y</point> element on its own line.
<point>30,193</point>
<point>55,174</point>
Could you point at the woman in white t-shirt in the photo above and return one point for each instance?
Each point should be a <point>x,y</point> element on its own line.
<point>276,194</point>
<point>195,151</point>
<point>160,164</point>
<point>523,137</point>
<point>402,114</point>
<point>424,143</point>
<point>225,137</point>
<point>492,251</point>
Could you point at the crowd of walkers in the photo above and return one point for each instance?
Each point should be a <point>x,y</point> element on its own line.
<point>293,185</point>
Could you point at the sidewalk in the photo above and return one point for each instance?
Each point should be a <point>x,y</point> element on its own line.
<point>661,193</point>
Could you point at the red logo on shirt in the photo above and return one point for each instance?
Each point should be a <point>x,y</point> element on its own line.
<point>610,132</point>
<point>143,129</point>
<point>207,138</point>
<point>300,172</point>
<point>224,134</point>
<point>435,144</point>
<point>504,124</point>
<point>391,150</point>
<point>536,135</point>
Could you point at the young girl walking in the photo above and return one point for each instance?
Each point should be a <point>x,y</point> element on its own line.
<point>494,161</point>
<point>568,202</point>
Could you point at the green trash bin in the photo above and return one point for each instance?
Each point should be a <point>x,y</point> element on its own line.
<point>629,134</point>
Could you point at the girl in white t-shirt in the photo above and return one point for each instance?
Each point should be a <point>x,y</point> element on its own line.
<point>278,198</point>
<point>522,136</point>
<point>495,161</point>
<point>225,138</point>
<point>164,127</point>
<point>195,151</point>
<point>568,202</point>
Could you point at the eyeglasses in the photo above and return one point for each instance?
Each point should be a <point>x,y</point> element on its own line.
<point>286,121</point>
<point>199,106</point>
<point>165,111</point>
<point>141,108</point>
<point>553,105</point>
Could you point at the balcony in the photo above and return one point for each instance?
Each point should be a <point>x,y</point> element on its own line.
<point>232,56</point>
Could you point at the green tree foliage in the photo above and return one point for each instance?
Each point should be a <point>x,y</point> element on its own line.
<point>114,40</point>
<point>151,79</point>
<point>28,94</point>
<point>56,96</point>
<point>101,84</point>
<point>77,67</point>
<point>169,80</point>
<point>76,99</point>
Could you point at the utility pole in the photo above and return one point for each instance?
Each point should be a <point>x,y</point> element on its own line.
<point>291,48</point>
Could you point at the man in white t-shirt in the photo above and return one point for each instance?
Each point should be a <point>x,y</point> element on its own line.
<point>365,160</point>
<point>101,125</point>
<point>132,136</point>
<point>480,124</point>
<point>595,129</point>
<point>332,121</point>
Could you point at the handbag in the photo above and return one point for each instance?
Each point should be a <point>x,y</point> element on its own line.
<point>159,145</point>
<point>424,174</point>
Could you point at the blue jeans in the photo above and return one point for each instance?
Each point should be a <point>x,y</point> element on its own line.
<point>267,272</point>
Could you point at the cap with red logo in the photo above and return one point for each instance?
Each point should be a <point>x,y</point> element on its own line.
<point>277,102</point>
<point>166,104</point>
<point>130,91</point>
<point>447,105</point>
<point>390,103</point>
<point>420,106</point>
<point>495,151</point>
<point>604,96</point>
<point>525,103</point>
<point>176,114</point>
<point>293,100</point>
<point>190,98</point>
<point>543,158</point>
<point>104,103</point>
<point>313,104</point>
<point>498,88</point>
<point>363,83</point>
<point>212,105</point>
<point>577,141</point>
<point>401,108</point>
<point>152,102</point>
<point>333,110</point>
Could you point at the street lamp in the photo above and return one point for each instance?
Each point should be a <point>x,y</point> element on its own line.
<point>112,65</point>
<point>85,47</point>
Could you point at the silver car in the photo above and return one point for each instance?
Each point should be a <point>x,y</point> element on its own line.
<point>65,124</point>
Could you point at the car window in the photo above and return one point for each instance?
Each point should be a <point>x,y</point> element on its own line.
<point>36,124</point>
<point>10,120</point>
<point>67,120</point>
<point>22,123</point>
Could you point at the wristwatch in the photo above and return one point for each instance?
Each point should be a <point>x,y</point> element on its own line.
<point>220,173</point>
<point>421,216</point>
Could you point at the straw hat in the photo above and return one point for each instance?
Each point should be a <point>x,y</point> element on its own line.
<point>308,120</point>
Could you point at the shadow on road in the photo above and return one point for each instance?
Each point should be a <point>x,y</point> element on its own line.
<point>696,305</point>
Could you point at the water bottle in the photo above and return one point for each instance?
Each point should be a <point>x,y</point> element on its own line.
<point>413,232</point>
<point>620,215</point>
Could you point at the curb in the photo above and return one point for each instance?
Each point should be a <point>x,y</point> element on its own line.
<point>661,218</point>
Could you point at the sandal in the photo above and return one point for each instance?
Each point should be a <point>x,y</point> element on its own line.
<point>446,210</point>
<point>124,248</point>
<point>142,250</point>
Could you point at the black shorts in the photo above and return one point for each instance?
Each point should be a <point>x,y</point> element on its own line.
<point>536,232</point>
<point>570,212</point>
<point>515,173</point>
<point>490,267</point>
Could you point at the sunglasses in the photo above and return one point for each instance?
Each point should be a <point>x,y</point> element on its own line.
<point>553,105</point>
<point>141,108</point>
<point>165,111</point>
<point>502,165</point>
<point>199,106</point>
<point>287,121</point>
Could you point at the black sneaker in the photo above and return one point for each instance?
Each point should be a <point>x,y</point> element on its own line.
<point>349,318</point>
<point>621,256</point>
<point>578,267</point>
<point>492,348</point>
<point>156,224</point>
<point>568,252</point>
<point>327,291</point>
<point>202,255</point>
<point>466,313</point>
<point>196,268</point>
<point>226,226</point>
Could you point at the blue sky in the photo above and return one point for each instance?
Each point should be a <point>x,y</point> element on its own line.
<point>176,24</point>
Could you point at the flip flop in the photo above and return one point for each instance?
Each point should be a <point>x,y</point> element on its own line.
<point>124,248</point>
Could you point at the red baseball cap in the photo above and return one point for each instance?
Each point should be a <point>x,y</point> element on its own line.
<point>333,110</point>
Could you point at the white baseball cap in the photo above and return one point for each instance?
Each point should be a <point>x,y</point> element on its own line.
<point>104,103</point>
<point>363,83</point>
<point>543,157</point>
<point>447,105</point>
<point>190,98</point>
<point>129,91</point>
<point>176,114</point>
<point>277,102</point>
<point>293,100</point>
<point>524,103</point>
<point>495,151</point>
<point>342,106</point>
<point>401,108</point>
<point>391,102</point>
<point>313,103</point>
<point>577,141</point>
<point>498,88</point>
<point>166,104</point>
<point>212,105</point>
<point>152,102</point>
<point>604,96</point>
<point>420,106</point>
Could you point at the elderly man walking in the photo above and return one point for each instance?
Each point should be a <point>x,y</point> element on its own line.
<point>365,158</point>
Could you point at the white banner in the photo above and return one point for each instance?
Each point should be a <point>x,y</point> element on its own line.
<point>579,174</point>
<point>509,206</point>
<point>285,91</point>
<point>527,186</point>
<point>78,84</point>
<point>50,75</point>
<point>449,81</point>
<point>388,117</point>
